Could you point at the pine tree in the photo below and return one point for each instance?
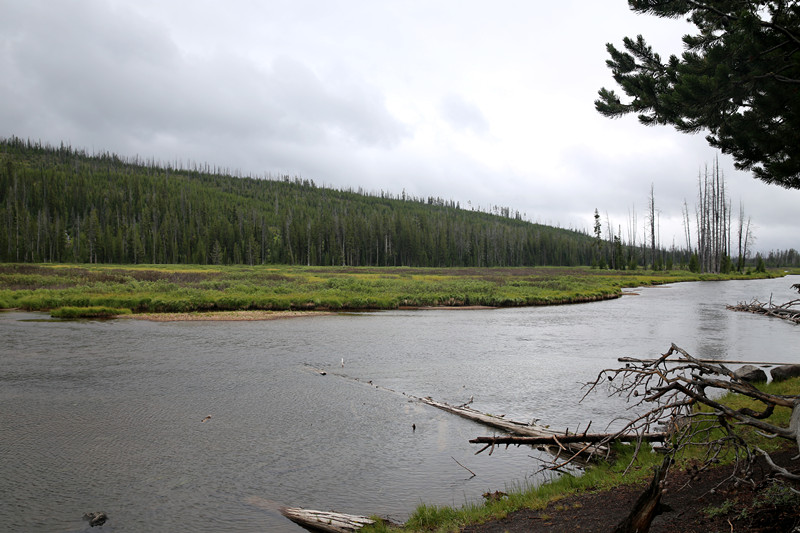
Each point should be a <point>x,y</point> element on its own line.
<point>737,80</point>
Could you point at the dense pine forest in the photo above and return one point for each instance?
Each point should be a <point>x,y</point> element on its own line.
<point>59,204</point>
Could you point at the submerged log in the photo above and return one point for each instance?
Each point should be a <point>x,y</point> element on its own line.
<point>326,520</point>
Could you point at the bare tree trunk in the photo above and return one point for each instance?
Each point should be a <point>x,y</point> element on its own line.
<point>687,227</point>
<point>747,240</point>
<point>740,236</point>
<point>632,232</point>
<point>652,226</point>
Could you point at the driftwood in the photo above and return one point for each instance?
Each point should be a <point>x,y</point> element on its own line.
<point>712,361</point>
<point>499,422</point>
<point>520,429</point>
<point>572,438</point>
<point>326,520</point>
<point>788,311</point>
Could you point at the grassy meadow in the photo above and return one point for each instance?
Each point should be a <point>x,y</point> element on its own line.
<point>195,288</point>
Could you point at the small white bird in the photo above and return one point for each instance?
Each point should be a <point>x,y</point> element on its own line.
<point>342,362</point>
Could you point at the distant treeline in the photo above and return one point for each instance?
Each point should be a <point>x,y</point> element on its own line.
<point>59,204</point>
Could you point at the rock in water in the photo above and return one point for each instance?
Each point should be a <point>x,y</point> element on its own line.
<point>782,373</point>
<point>97,518</point>
<point>751,374</point>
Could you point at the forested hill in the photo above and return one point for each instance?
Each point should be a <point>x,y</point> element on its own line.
<point>62,205</point>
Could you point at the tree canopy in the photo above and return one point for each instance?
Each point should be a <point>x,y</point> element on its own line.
<point>738,79</point>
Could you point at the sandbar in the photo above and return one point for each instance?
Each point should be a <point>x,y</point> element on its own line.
<point>231,316</point>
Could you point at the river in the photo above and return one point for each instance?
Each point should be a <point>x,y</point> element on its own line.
<point>109,415</point>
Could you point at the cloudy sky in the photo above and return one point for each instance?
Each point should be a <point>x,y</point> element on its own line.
<point>485,103</point>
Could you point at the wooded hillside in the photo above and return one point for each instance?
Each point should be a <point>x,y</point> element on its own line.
<point>64,205</point>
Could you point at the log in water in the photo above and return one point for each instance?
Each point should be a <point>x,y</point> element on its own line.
<point>326,520</point>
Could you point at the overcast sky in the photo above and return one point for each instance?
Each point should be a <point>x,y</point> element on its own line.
<point>484,102</point>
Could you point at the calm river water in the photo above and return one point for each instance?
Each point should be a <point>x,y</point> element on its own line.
<point>107,416</point>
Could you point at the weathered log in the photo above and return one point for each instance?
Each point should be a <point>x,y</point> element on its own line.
<point>572,438</point>
<point>709,361</point>
<point>511,426</point>
<point>517,428</point>
<point>326,520</point>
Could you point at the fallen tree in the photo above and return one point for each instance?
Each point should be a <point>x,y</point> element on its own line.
<point>677,400</point>
<point>680,393</point>
<point>329,521</point>
<point>788,311</point>
<point>540,436</point>
<point>683,398</point>
<point>571,438</point>
<point>668,392</point>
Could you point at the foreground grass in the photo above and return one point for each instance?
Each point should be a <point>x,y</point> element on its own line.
<point>188,288</point>
<point>599,477</point>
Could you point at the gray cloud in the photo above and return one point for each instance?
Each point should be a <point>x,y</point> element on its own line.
<point>89,68</point>
<point>463,115</point>
<point>352,96</point>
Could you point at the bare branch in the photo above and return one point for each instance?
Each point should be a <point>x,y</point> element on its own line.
<point>669,392</point>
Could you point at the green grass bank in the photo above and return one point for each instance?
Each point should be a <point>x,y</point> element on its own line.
<point>195,288</point>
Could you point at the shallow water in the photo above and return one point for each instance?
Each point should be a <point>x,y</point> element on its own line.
<point>108,415</point>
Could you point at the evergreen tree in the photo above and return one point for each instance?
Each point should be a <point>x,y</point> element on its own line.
<point>737,79</point>
<point>59,204</point>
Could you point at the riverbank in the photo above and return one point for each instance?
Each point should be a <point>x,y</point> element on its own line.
<point>697,499</point>
<point>712,501</point>
<point>147,289</point>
